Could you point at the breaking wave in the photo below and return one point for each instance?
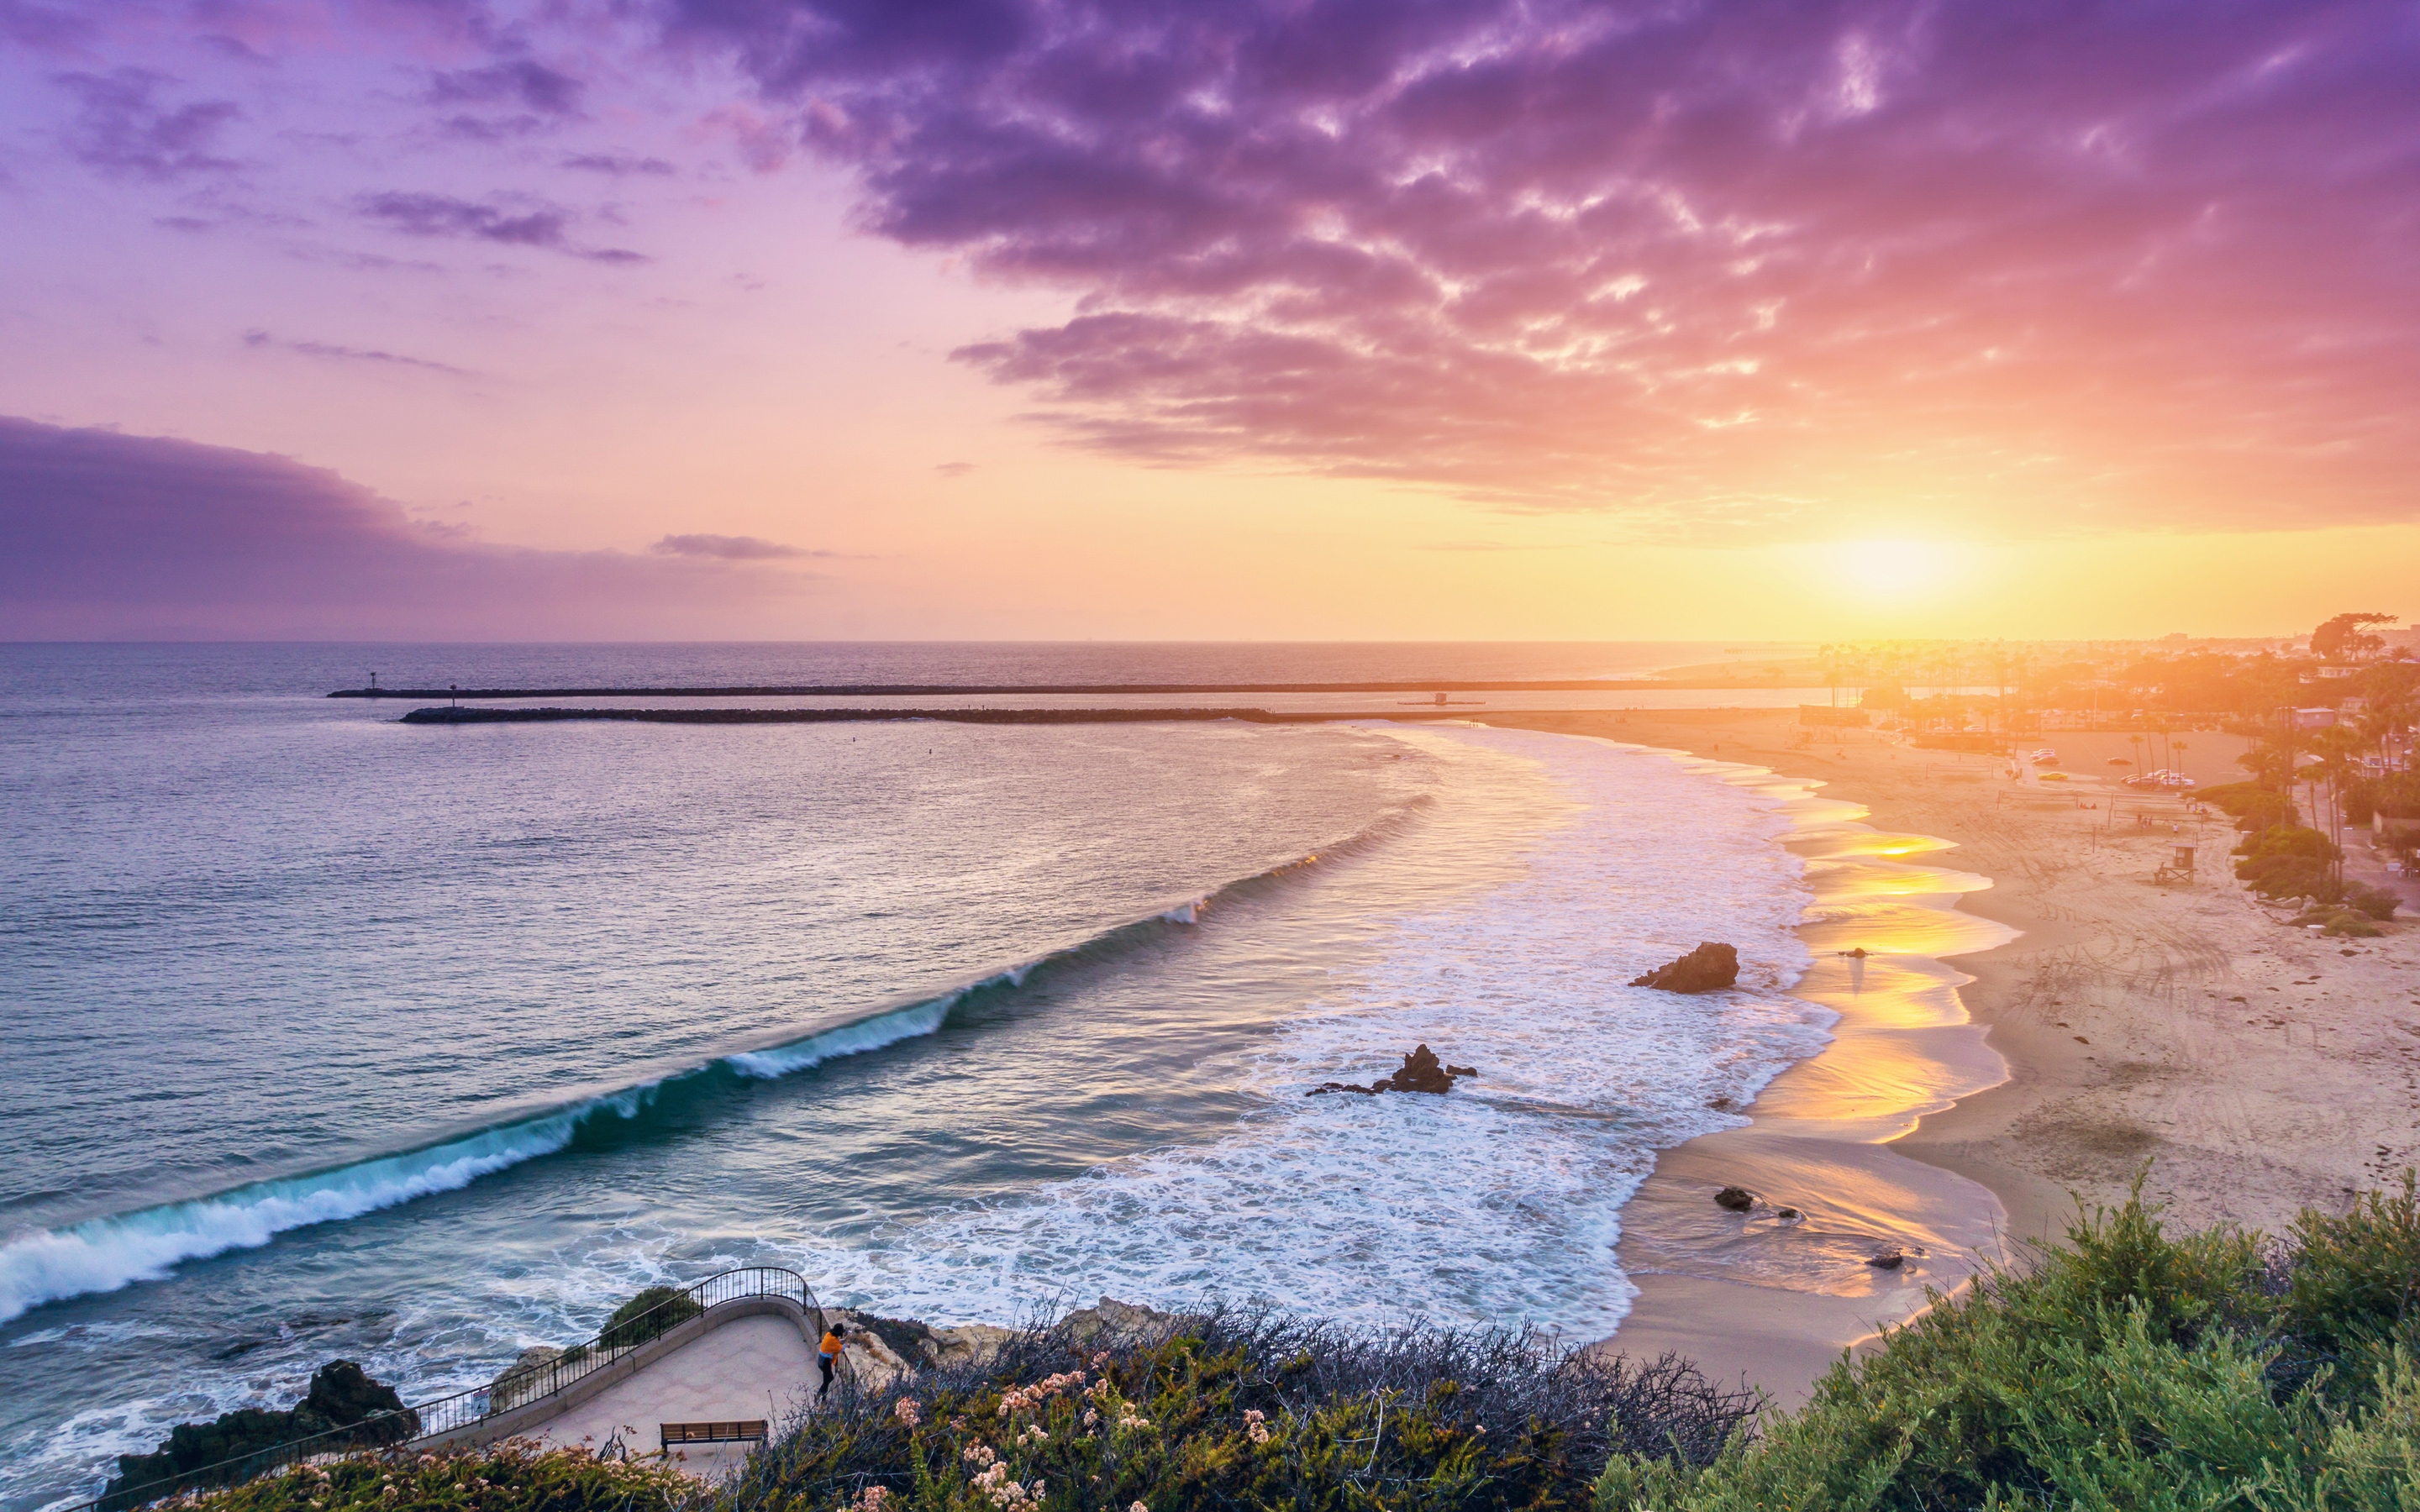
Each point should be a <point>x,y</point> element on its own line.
<point>105,1254</point>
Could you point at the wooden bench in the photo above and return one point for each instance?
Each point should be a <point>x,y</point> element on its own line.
<point>746,1430</point>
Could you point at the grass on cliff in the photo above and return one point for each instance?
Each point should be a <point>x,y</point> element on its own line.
<point>2124,1369</point>
<point>2127,1369</point>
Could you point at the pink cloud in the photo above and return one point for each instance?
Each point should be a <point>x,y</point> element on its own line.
<point>1771,264</point>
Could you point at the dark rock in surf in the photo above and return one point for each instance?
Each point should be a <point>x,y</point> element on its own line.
<point>1735,1200</point>
<point>1710,967</point>
<point>345,1409</point>
<point>1421,1071</point>
<point>1889,1259</point>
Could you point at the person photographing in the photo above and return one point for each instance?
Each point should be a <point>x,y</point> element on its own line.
<point>828,1354</point>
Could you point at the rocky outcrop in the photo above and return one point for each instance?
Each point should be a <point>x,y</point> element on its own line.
<point>1120,1320</point>
<point>967,1344</point>
<point>1712,966</point>
<point>1421,1071</point>
<point>524,1378</point>
<point>882,1348</point>
<point>1735,1200</point>
<point>342,1396</point>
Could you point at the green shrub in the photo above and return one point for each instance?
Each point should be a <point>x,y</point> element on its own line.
<point>2378,905</point>
<point>2254,808</point>
<point>2358,802</point>
<point>2126,1369</point>
<point>649,1315</point>
<point>2289,861</point>
<point>2289,841</point>
<point>2290,876</point>
<point>2356,1280</point>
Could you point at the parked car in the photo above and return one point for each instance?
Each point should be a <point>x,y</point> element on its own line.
<point>2163,778</point>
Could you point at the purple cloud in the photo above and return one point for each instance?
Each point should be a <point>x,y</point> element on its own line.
<point>443,215</point>
<point>111,534</point>
<point>520,82</point>
<point>121,127</point>
<point>520,222</point>
<point>618,164</point>
<point>731,548</point>
<point>1710,266</point>
<point>257,339</point>
<point>41,27</point>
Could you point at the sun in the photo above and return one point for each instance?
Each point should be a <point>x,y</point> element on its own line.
<point>1901,570</point>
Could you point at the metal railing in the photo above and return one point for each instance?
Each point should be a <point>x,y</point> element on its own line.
<point>514,1389</point>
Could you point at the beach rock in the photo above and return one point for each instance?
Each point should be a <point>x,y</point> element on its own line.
<point>1421,1071</point>
<point>1889,1259</point>
<point>1787,1215</point>
<point>1710,967</point>
<point>1735,1199</point>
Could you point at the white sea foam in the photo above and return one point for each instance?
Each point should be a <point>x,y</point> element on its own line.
<point>909,1023</point>
<point>108,1252</point>
<point>1502,1201</point>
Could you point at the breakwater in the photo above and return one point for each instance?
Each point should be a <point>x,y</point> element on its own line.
<point>544,716</point>
<point>1599,684</point>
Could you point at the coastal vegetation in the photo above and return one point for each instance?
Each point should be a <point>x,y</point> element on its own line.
<point>655,1311</point>
<point>514,1477</point>
<point>2123,1367</point>
<point>2126,1368</point>
<point>2283,857</point>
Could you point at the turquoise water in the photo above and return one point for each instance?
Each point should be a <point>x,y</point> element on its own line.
<point>336,1037</point>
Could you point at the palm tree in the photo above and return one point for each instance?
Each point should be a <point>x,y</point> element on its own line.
<point>2338,747</point>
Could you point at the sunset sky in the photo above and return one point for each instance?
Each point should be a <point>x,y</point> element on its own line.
<point>1206,318</point>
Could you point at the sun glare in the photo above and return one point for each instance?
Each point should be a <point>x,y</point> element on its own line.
<point>1898,569</point>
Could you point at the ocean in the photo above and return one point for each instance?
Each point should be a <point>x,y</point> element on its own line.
<point>336,1037</point>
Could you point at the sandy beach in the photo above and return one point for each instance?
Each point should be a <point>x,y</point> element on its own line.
<point>2037,1019</point>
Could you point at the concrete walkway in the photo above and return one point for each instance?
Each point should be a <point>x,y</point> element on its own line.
<point>749,1368</point>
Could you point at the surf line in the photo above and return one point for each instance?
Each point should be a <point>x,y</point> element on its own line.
<point>1901,1047</point>
<point>107,1252</point>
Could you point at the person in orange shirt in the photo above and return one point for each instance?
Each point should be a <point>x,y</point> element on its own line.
<point>828,1356</point>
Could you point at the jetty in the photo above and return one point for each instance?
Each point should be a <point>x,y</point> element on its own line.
<point>449,714</point>
<point>424,695</point>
